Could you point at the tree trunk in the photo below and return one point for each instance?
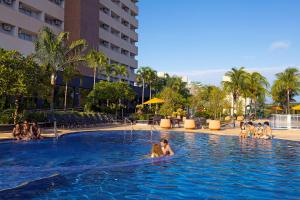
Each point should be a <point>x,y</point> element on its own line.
<point>53,83</point>
<point>288,101</point>
<point>255,109</point>
<point>143,92</point>
<point>16,109</point>
<point>245,106</point>
<point>66,95</point>
<point>95,75</point>
<point>150,94</point>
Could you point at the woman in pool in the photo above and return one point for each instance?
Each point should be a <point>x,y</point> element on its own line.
<point>251,129</point>
<point>35,131</point>
<point>243,133</point>
<point>259,131</point>
<point>165,147</point>
<point>17,132</point>
<point>156,151</point>
<point>26,132</point>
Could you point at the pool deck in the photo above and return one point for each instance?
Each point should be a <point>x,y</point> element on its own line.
<point>293,135</point>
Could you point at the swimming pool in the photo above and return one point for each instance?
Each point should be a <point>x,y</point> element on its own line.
<point>111,165</point>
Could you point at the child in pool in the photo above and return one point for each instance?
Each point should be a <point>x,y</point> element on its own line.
<point>156,151</point>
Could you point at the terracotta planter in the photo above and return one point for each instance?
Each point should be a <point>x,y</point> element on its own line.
<point>165,123</point>
<point>183,119</point>
<point>189,124</point>
<point>240,118</point>
<point>214,125</point>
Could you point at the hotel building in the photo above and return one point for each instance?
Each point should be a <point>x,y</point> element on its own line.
<point>107,25</point>
<point>20,21</point>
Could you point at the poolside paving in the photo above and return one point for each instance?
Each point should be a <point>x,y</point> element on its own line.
<point>293,135</point>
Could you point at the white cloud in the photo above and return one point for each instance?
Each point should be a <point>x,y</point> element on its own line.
<point>280,45</point>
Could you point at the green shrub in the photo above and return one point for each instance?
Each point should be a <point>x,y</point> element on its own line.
<point>6,116</point>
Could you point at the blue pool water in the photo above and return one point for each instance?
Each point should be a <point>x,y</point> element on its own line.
<point>112,165</point>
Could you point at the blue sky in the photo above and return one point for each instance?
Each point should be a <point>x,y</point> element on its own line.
<point>204,38</point>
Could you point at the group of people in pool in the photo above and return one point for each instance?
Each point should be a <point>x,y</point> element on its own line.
<point>26,131</point>
<point>161,149</point>
<point>260,131</point>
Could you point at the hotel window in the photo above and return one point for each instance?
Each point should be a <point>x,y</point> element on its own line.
<point>9,3</point>
<point>26,35</point>
<point>125,23</point>
<point>124,37</point>
<point>117,2</point>
<point>132,55</point>
<point>132,41</point>
<point>115,16</point>
<point>6,28</point>
<point>115,32</point>
<point>104,43</point>
<point>125,8</point>
<point>104,9</point>
<point>114,48</point>
<point>104,26</point>
<point>124,52</point>
<point>53,21</point>
<point>133,14</point>
<point>134,1</point>
<point>27,10</point>
<point>133,28</point>
<point>57,2</point>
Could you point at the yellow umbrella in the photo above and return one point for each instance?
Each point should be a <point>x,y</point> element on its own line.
<point>277,108</point>
<point>296,107</point>
<point>154,101</point>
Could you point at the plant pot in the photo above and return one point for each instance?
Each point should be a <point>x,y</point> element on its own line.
<point>240,118</point>
<point>189,124</point>
<point>165,123</point>
<point>183,119</point>
<point>214,125</point>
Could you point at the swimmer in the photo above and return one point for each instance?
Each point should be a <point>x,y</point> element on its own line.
<point>165,147</point>
<point>243,133</point>
<point>156,151</point>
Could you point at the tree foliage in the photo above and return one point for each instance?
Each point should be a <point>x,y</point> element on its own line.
<point>21,77</point>
<point>109,95</point>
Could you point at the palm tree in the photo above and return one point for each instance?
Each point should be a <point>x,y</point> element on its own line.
<point>289,82</point>
<point>53,52</point>
<point>120,70</point>
<point>97,61</point>
<point>68,74</point>
<point>257,85</point>
<point>141,78</point>
<point>151,78</point>
<point>235,83</point>
<point>108,71</point>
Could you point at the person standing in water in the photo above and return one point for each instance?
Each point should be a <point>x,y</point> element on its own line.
<point>165,147</point>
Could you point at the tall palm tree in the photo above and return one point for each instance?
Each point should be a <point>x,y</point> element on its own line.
<point>150,80</point>
<point>257,85</point>
<point>55,52</point>
<point>235,83</point>
<point>97,61</point>
<point>108,71</point>
<point>289,82</point>
<point>141,79</point>
<point>68,74</point>
<point>120,70</point>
